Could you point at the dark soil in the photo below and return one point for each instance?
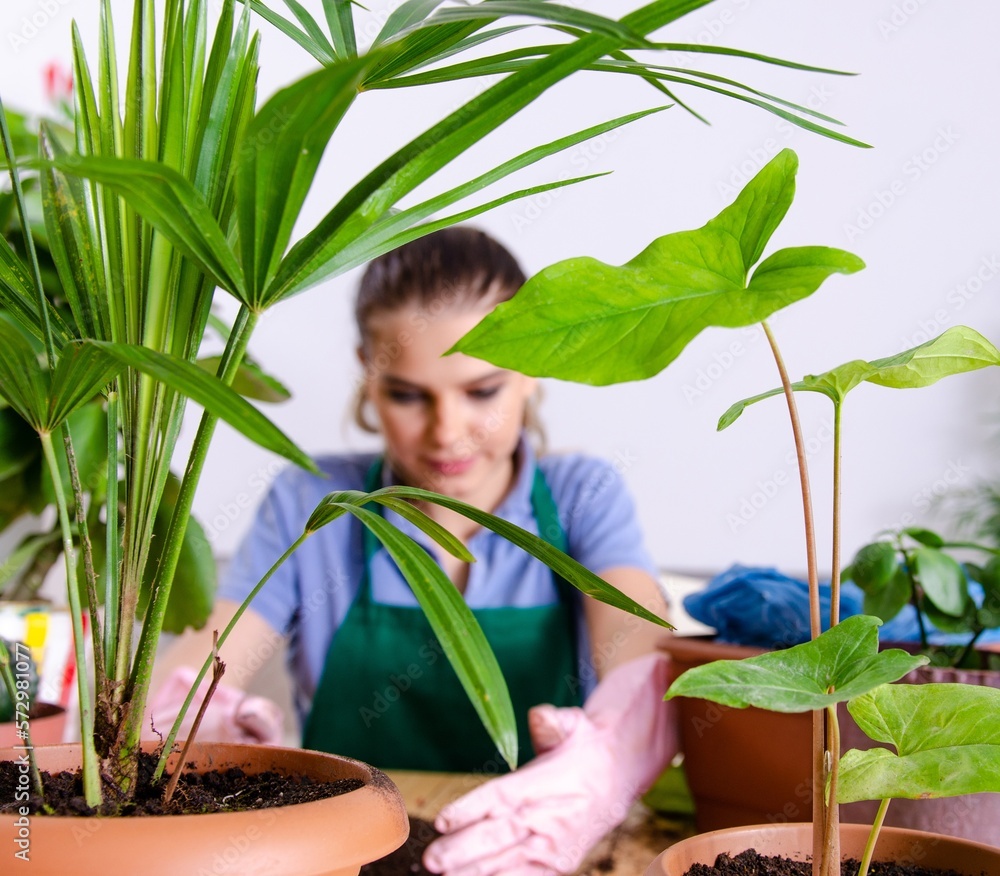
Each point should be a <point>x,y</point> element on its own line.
<point>749,863</point>
<point>215,791</point>
<point>407,859</point>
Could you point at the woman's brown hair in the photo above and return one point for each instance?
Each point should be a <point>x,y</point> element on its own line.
<point>458,267</point>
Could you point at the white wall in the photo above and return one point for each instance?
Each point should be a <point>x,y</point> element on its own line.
<point>919,208</point>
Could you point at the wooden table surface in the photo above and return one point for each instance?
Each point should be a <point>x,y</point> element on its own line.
<point>626,851</point>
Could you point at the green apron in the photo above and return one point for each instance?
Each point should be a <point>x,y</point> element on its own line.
<point>389,696</point>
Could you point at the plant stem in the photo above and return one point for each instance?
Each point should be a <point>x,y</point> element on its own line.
<point>968,647</point>
<point>218,670</point>
<point>807,509</point>
<point>156,611</point>
<point>914,596</point>
<point>835,561</point>
<point>869,852</point>
<point>819,748</point>
<point>89,573</point>
<point>831,839</point>
<point>112,579</point>
<point>218,643</point>
<point>91,774</point>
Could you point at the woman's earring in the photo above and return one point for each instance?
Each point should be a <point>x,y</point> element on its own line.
<point>361,414</point>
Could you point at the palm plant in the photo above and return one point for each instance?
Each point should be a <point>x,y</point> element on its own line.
<point>176,185</point>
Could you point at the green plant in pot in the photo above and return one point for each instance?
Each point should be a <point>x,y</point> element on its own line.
<point>563,325</point>
<point>176,185</point>
<point>918,567</point>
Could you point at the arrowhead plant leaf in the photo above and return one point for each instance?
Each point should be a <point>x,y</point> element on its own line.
<point>590,322</point>
<point>842,663</point>
<point>954,351</point>
<point>946,736</point>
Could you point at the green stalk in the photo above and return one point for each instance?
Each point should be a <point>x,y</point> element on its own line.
<point>152,625</point>
<point>869,852</point>
<point>89,572</point>
<point>91,773</point>
<point>824,857</point>
<point>835,562</point>
<point>112,578</point>
<point>220,640</point>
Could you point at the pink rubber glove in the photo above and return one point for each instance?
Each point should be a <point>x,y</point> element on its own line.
<point>592,765</point>
<point>232,715</point>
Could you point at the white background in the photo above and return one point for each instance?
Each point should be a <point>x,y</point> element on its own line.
<point>919,208</point>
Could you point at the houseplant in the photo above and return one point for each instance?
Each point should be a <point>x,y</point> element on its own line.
<point>178,185</point>
<point>917,567</point>
<point>679,285</point>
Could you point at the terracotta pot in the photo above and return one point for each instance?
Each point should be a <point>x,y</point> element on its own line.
<point>47,723</point>
<point>794,841</point>
<point>749,766</point>
<point>331,837</point>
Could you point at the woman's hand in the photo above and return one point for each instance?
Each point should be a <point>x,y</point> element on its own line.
<point>592,764</point>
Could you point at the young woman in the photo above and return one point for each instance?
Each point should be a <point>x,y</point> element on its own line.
<point>371,679</point>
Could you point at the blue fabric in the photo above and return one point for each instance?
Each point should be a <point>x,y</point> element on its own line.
<point>759,606</point>
<point>308,597</point>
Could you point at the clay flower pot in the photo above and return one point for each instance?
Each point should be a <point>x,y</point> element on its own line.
<point>331,837</point>
<point>750,766</point>
<point>48,725</point>
<point>794,841</point>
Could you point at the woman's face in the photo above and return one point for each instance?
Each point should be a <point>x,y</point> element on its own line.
<point>450,423</point>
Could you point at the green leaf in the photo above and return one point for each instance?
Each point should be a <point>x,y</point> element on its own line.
<point>19,445</point>
<point>955,351</point>
<point>924,536</point>
<point>23,554</point>
<point>289,29</point>
<point>82,373</point>
<point>888,600</point>
<point>575,573</point>
<point>165,199</point>
<point>71,244</point>
<point>340,18</point>
<point>213,395</point>
<point>874,565</point>
<point>946,736</point>
<point>398,227</point>
<point>550,12</point>
<point>401,173</point>
<point>942,580</point>
<point>990,580</point>
<point>456,628</point>
<point>430,526</point>
<point>251,380</point>
<point>842,663</point>
<point>277,162</point>
<point>24,383</point>
<point>562,323</point>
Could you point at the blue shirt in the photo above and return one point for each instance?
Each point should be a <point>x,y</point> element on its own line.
<point>308,597</point>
